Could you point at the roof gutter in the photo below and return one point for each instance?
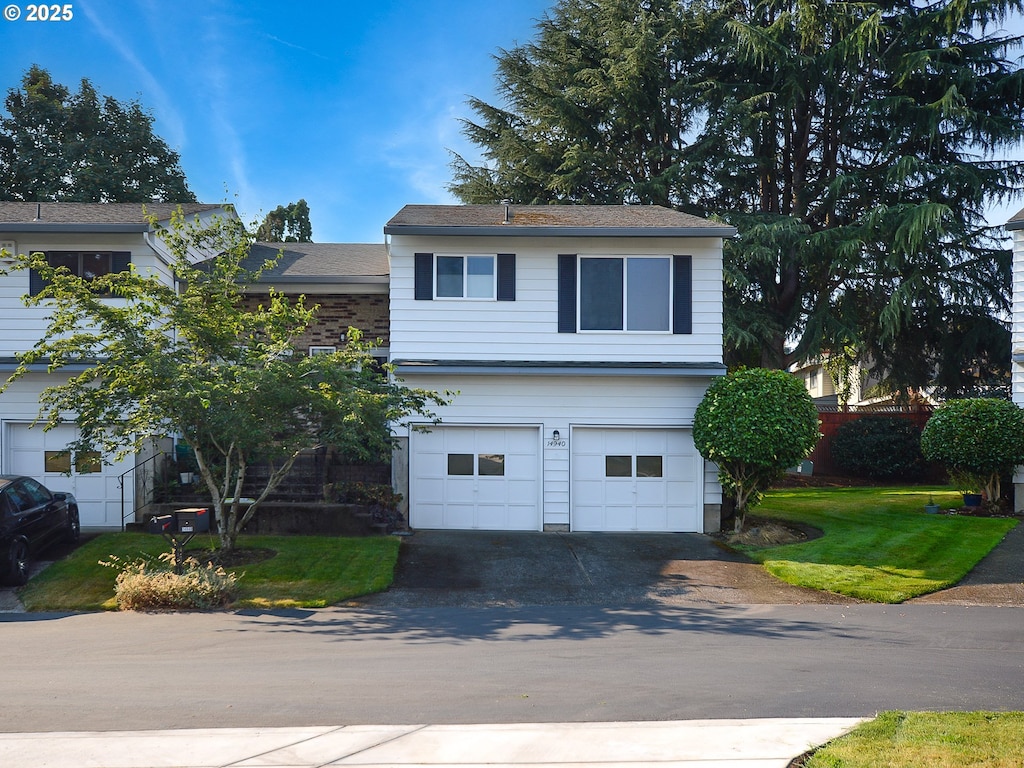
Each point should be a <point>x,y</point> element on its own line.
<point>514,231</point>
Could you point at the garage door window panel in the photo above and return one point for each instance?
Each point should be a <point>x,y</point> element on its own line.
<point>491,465</point>
<point>649,466</point>
<point>618,466</point>
<point>460,464</point>
<point>57,461</point>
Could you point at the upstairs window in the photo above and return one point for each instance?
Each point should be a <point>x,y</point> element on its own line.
<point>464,277</point>
<point>448,276</point>
<point>632,293</point>
<point>85,264</point>
<point>638,294</point>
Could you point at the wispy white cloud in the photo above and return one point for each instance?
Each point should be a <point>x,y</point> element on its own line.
<point>173,126</point>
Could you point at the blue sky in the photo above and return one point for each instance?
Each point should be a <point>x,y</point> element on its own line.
<point>353,106</point>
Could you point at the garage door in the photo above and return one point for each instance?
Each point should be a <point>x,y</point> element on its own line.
<point>635,480</point>
<point>485,478</point>
<point>39,454</point>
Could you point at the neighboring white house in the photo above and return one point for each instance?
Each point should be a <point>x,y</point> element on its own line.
<point>580,340</point>
<point>1016,226</point>
<point>89,238</point>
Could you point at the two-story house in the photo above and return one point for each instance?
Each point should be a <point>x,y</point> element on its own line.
<point>579,341</point>
<point>89,239</point>
<point>1016,227</point>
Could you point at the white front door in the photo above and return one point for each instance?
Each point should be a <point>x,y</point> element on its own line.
<point>95,484</point>
<point>635,480</point>
<point>484,478</point>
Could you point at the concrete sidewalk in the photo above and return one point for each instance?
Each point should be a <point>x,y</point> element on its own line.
<point>766,743</point>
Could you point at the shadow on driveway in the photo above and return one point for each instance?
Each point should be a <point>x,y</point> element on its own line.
<point>485,568</point>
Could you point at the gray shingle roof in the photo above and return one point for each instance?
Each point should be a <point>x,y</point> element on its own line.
<point>311,262</point>
<point>1016,221</point>
<point>616,220</point>
<point>92,213</point>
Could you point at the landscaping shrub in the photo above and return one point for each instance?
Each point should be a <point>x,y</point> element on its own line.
<point>979,439</point>
<point>754,423</point>
<point>879,447</point>
<point>144,585</point>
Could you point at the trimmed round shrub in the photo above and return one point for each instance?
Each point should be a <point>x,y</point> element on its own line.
<point>979,439</point>
<point>879,447</point>
<point>754,424</point>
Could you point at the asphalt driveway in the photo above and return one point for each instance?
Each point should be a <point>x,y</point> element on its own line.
<point>486,568</point>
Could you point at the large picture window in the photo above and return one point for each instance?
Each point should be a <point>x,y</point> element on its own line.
<point>465,277</point>
<point>629,293</point>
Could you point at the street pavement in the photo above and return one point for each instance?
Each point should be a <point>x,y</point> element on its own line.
<point>626,683</point>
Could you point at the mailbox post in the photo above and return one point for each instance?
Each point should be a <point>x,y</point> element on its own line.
<point>179,528</point>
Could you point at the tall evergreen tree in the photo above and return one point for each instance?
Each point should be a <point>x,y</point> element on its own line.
<point>855,146</point>
<point>83,147</point>
<point>287,224</point>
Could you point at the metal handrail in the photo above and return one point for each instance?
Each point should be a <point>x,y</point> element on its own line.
<point>120,483</point>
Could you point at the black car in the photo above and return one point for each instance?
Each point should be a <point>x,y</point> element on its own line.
<point>31,519</point>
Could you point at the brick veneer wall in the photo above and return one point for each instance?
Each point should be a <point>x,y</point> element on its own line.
<point>367,312</point>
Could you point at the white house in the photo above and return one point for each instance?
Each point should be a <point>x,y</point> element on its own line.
<point>88,238</point>
<point>1016,226</point>
<point>579,340</point>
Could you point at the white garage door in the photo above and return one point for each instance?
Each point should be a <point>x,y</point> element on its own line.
<point>39,454</point>
<point>635,480</point>
<point>485,478</point>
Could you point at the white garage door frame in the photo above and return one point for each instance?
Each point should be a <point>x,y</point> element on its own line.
<point>99,494</point>
<point>477,501</point>
<point>672,502</point>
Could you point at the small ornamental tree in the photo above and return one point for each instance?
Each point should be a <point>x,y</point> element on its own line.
<point>754,424</point>
<point>980,438</point>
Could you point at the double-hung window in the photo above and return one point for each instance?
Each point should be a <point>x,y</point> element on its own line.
<point>625,293</point>
<point>464,277</point>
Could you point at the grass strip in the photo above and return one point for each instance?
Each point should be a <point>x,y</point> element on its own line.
<point>928,740</point>
<point>878,543</point>
<point>305,571</point>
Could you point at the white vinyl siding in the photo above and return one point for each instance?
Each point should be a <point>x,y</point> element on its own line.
<point>23,325</point>
<point>527,329</point>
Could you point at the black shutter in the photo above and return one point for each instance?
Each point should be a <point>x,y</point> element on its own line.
<point>506,277</point>
<point>424,277</point>
<point>566,293</point>
<point>119,261</point>
<point>35,281</point>
<point>682,294</point>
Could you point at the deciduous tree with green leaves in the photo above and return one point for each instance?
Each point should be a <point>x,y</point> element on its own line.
<point>190,359</point>
<point>83,147</point>
<point>979,439</point>
<point>754,424</point>
<point>855,146</point>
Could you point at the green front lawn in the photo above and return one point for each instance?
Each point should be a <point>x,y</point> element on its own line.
<point>305,571</point>
<point>930,739</point>
<point>879,544</point>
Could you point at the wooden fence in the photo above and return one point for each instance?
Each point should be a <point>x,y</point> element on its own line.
<point>831,420</point>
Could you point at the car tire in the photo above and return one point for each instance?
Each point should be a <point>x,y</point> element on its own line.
<point>74,529</point>
<point>17,563</point>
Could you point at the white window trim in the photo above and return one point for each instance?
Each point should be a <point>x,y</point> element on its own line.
<point>465,276</point>
<point>322,349</point>
<point>625,292</point>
